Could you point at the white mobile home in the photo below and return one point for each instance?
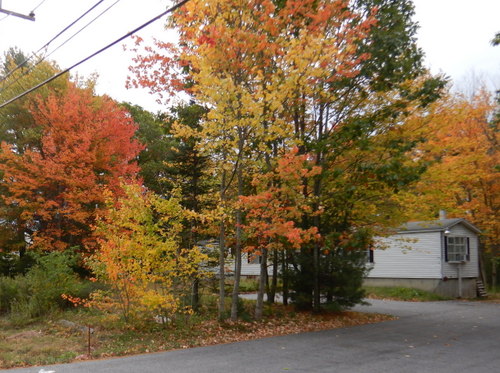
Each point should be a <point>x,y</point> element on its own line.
<point>441,256</point>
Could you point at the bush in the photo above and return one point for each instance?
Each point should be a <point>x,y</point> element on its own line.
<point>39,291</point>
<point>12,264</point>
<point>341,278</point>
<point>9,291</point>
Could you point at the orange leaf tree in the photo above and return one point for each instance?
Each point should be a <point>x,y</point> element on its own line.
<point>19,129</point>
<point>274,212</point>
<point>86,145</point>
<point>462,178</point>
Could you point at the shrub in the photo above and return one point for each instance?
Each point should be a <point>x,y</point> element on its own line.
<point>12,264</point>
<point>341,278</point>
<point>39,291</point>
<point>10,288</point>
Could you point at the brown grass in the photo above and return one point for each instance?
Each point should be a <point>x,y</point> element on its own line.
<point>48,342</point>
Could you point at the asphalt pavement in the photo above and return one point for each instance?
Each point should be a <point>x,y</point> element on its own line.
<point>434,337</point>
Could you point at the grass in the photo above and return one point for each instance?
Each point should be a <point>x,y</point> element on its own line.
<point>36,344</point>
<point>402,294</point>
<point>493,295</point>
<point>246,285</point>
<point>46,341</point>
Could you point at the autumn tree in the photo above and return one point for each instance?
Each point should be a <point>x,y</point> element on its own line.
<point>19,129</point>
<point>140,256</point>
<point>347,125</point>
<point>274,212</point>
<point>13,59</point>
<point>462,149</point>
<point>244,61</point>
<point>86,145</point>
<point>328,76</point>
<point>172,162</point>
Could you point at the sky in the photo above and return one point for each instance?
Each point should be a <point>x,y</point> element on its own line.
<point>454,35</point>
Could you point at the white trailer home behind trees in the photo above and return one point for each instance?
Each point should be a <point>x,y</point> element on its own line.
<point>440,256</point>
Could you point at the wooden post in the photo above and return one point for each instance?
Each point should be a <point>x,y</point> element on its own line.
<point>459,269</point>
<point>88,340</point>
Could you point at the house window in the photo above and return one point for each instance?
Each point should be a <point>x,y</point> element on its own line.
<point>254,259</point>
<point>457,249</point>
<point>369,256</point>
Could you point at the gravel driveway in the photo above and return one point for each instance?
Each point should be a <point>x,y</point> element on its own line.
<point>451,336</point>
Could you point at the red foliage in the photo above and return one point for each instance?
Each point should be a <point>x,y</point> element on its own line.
<point>273,212</point>
<point>87,144</point>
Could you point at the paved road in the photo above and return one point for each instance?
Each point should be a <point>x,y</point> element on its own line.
<point>432,337</point>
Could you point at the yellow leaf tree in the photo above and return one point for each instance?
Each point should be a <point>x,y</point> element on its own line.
<point>250,63</point>
<point>462,178</point>
<point>140,256</point>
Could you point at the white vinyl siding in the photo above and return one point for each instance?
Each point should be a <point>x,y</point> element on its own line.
<point>249,269</point>
<point>411,255</point>
<point>471,267</point>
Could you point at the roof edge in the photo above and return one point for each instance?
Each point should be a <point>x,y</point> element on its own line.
<point>442,228</point>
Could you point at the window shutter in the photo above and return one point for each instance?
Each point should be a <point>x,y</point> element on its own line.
<point>371,255</point>
<point>468,248</point>
<point>445,248</point>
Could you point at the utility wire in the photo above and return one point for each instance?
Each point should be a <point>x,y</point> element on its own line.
<point>31,68</point>
<point>38,6</point>
<point>170,10</point>
<point>83,28</point>
<point>50,41</point>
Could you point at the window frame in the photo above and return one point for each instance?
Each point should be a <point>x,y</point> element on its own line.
<point>451,245</point>
<point>370,256</point>
<point>254,259</point>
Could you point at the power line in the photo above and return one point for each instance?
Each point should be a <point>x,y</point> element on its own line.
<point>31,68</point>
<point>83,28</point>
<point>50,41</point>
<point>70,25</point>
<point>38,6</point>
<point>170,10</point>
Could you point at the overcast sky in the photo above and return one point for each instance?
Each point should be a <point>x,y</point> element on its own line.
<point>454,34</point>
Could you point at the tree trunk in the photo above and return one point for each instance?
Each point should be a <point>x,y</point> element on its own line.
<point>316,289</point>
<point>259,307</point>
<point>271,295</point>
<point>237,254</point>
<point>195,299</point>
<point>316,248</point>
<point>195,296</point>
<point>284,276</point>
<point>222,256</point>
<point>494,273</point>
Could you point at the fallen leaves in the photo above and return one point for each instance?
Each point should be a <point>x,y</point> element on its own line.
<point>56,344</point>
<point>229,332</point>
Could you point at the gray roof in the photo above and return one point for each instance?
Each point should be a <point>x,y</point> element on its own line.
<point>435,225</point>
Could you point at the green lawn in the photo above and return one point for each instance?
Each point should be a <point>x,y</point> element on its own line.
<point>404,294</point>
